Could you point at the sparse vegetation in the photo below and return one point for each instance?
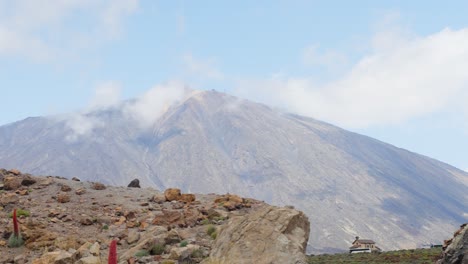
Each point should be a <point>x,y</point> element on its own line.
<point>413,256</point>
<point>19,213</point>
<point>205,222</point>
<point>214,235</point>
<point>142,253</point>
<point>157,249</point>
<point>183,243</point>
<point>198,253</point>
<point>210,230</point>
<point>15,239</point>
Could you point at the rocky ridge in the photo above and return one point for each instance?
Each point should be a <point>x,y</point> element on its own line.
<point>72,221</point>
<point>456,248</point>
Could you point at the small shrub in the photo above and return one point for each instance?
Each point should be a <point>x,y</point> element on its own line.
<point>142,253</point>
<point>183,243</point>
<point>214,235</point>
<point>205,222</point>
<point>198,253</point>
<point>219,218</point>
<point>157,249</point>
<point>15,239</point>
<point>20,212</point>
<point>105,227</point>
<point>210,230</point>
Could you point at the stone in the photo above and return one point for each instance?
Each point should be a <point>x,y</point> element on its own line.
<point>268,235</point>
<point>63,258</point>
<point>15,172</point>
<point>172,237</point>
<point>182,253</point>
<point>98,186</point>
<point>133,237</point>
<point>230,202</point>
<point>95,249</point>
<point>22,192</point>
<point>86,221</point>
<point>172,194</point>
<point>65,188</point>
<point>80,191</point>
<point>63,198</point>
<point>9,198</point>
<point>20,259</point>
<point>456,249</point>
<point>66,242</point>
<point>169,217</point>
<point>75,179</point>
<point>11,183</point>
<point>187,198</point>
<point>89,260</point>
<point>158,198</point>
<point>134,184</point>
<point>47,258</point>
<point>28,180</point>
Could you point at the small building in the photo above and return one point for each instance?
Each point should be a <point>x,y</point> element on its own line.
<point>363,246</point>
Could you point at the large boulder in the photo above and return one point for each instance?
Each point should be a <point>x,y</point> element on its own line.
<point>268,235</point>
<point>456,249</point>
<point>172,194</point>
<point>134,184</point>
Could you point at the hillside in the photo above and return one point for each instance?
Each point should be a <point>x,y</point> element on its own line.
<point>71,221</point>
<point>348,184</point>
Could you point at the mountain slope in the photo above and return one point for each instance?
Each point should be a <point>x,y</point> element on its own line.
<point>348,184</point>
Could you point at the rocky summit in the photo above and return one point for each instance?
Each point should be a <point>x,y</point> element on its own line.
<point>72,221</point>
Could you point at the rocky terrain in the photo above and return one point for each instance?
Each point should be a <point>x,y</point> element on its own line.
<point>72,221</point>
<point>456,248</point>
<point>348,184</point>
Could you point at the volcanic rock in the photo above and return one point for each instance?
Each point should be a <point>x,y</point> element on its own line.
<point>270,235</point>
<point>134,183</point>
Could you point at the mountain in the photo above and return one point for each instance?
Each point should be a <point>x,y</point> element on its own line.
<point>348,184</point>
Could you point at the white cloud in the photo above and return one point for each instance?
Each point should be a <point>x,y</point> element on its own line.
<point>49,30</point>
<point>81,125</point>
<point>106,94</point>
<point>402,77</point>
<point>205,69</point>
<point>147,108</point>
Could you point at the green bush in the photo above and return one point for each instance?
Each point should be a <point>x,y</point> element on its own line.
<point>210,230</point>
<point>205,222</point>
<point>214,235</point>
<point>15,241</point>
<point>183,243</point>
<point>20,212</point>
<point>198,253</point>
<point>142,253</point>
<point>157,249</point>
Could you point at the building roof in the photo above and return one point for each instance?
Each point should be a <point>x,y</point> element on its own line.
<point>364,241</point>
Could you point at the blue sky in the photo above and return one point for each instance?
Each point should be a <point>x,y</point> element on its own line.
<point>393,70</point>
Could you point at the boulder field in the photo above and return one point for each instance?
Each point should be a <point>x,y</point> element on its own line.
<point>73,221</point>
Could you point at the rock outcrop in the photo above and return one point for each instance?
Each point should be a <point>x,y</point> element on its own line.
<point>67,221</point>
<point>268,235</point>
<point>135,183</point>
<point>456,249</point>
